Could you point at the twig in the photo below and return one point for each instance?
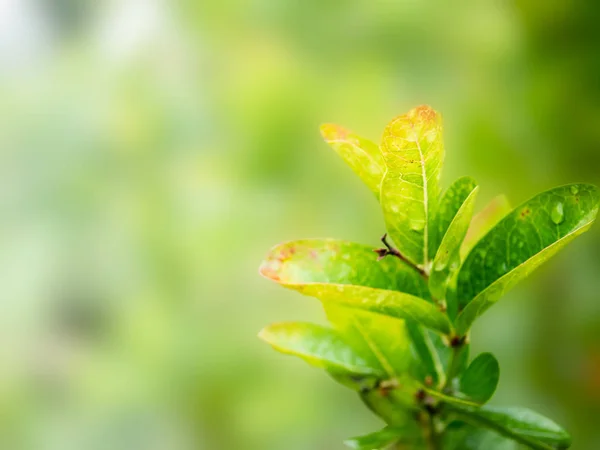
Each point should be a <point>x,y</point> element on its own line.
<point>389,250</point>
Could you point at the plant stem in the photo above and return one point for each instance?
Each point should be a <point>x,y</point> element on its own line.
<point>389,250</point>
<point>457,350</point>
<point>433,438</point>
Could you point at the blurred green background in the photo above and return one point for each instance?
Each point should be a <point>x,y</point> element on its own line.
<point>152,151</point>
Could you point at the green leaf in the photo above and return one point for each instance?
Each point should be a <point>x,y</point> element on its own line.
<point>447,258</point>
<point>349,275</point>
<point>429,350</point>
<point>385,438</point>
<point>463,436</point>
<point>480,380</point>
<point>413,151</point>
<point>362,155</point>
<point>448,207</point>
<point>317,345</point>
<point>298,263</point>
<point>382,341</point>
<point>484,221</point>
<point>519,243</point>
<point>519,424</point>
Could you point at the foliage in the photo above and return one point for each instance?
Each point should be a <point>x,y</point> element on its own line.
<point>401,315</point>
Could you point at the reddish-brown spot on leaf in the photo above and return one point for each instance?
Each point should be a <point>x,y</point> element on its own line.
<point>525,212</point>
<point>331,132</point>
<point>425,113</point>
<point>268,272</point>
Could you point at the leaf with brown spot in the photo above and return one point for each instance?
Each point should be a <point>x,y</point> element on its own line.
<point>413,151</point>
<point>349,274</point>
<point>520,243</point>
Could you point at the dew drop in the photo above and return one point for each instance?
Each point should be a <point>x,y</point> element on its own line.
<point>417,225</point>
<point>574,189</point>
<point>557,214</point>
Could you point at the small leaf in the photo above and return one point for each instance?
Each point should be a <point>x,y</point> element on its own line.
<point>484,221</point>
<point>519,243</point>
<point>385,438</point>
<point>382,341</point>
<point>480,380</point>
<point>317,345</point>
<point>413,151</point>
<point>519,424</point>
<point>447,258</point>
<point>448,207</point>
<point>297,263</point>
<point>362,155</point>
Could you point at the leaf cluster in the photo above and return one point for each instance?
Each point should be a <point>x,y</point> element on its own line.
<point>401,315</point>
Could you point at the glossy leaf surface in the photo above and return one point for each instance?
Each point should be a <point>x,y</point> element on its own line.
<point>448,207</point>
<point>447,258</point>
<point>520,424</point>
<point>480,380</point>
<point>521,242</point>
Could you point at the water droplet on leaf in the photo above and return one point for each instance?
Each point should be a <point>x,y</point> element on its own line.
<point>557,213</point>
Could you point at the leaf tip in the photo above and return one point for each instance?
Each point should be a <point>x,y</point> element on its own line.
<point>269,269</point>
<point>331,132</point>
<point>265,334</point>
<point>273,265</point>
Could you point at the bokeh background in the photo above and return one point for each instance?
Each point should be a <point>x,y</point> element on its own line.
<point>152,151</point>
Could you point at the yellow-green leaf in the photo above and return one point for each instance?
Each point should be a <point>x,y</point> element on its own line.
<point>413,151</point>
<point>362,155</point>
<point>382,341</point>
<point>519,243</point>
<point>319,346</point>
<point>297,263</point>
<point>348,274</point>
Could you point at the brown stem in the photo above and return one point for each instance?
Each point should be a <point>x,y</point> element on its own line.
<point>389,250</point>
